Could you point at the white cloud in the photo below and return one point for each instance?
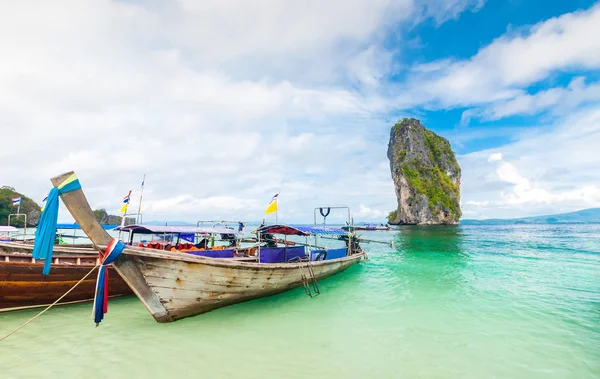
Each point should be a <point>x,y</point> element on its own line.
<point>495,157</point>
<point>546,171</point>
<point>556,100</point>
<point>502,70</point>
<point>365,212</point>
<point>219,103</point>
<point>442,10</point>
<point>224,103</point>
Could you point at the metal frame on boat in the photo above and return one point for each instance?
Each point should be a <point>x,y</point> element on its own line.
<point>172,285</point>
<point>197,240</point>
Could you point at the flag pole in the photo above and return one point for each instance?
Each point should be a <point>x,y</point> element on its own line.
<point>125,213</point>
<point>19,207</point>
<point>139,215</point>
<point>126,207</point>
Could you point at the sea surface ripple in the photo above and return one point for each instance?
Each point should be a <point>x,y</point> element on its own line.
<point>446,302</point>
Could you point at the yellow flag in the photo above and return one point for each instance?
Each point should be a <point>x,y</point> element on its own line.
<point>272,208</point>
<point>126,201</point>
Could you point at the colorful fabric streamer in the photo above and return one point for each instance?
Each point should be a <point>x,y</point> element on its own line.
<point>113,250</point>
<point>46,230</point>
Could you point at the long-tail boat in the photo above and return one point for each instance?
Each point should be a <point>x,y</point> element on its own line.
<point>23,286</point>
<point>174,285</point>
<point>366,227</point>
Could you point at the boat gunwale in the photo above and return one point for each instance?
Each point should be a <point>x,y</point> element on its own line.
<point>40,263</point>
<point>19,245</point>
<point>231,262</point>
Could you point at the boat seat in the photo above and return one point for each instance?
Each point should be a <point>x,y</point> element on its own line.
<point>281,254</point>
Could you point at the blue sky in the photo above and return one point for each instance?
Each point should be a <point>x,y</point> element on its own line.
<point>223,104</point>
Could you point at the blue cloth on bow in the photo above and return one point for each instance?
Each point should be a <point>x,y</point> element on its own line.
<point>113,250</point>
<point>46,229</point>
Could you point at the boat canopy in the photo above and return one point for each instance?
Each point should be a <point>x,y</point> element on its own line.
<point>8,229</point>
<point>299,230</point>
<point>76,226</point>
<point>159,229</point>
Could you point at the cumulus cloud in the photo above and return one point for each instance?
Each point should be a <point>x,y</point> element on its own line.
<point>222,104</point>
<point>495,157</point>
<point>365,212</point>
<point>557,100</point>
<point>530,177</point>
<point>501,71</point>
<point>219,103</point>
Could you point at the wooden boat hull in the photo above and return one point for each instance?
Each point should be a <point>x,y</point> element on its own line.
<point>23,286</point>
<point>175,285</point>
<point>187,287</point>
<point>362,228</point>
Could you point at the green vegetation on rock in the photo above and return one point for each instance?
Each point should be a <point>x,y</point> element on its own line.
<point>435,184</point>
<point>104,218</point>
<point>431,175</point>
<point>393,215</point>
<point>28,207</point>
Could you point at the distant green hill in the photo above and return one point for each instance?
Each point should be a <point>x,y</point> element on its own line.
<point>28,206</point>
<point>584,216</point>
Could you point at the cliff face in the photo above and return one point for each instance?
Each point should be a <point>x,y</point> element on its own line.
<point>104,218</point>
<point>426,176</point>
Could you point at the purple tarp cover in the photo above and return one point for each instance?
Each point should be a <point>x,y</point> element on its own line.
<point>281,254</point>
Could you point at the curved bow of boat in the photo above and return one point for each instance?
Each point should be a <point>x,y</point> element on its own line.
<point>80,209</point>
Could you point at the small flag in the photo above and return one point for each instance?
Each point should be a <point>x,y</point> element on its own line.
<point>126,202</point>
<point>272,208</point>
<point>16,201</point>
<point>44,203</point>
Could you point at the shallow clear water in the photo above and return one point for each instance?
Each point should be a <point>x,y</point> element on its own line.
<point>465,302</point>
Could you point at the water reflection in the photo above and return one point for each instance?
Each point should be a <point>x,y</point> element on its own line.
<point>433,256</point>
<point>430,239</point>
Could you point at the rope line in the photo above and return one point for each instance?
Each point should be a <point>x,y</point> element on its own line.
<point>51,305</point>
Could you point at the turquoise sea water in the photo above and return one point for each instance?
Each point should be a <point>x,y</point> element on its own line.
<point>465,302</point>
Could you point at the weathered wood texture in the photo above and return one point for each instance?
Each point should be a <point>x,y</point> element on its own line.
<point>174,285</point>
<point>187,289</point>
<point>22,284</point>
<point>80,209</point>
<point>25,248</point>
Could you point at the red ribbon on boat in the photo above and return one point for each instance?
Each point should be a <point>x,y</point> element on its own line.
<point>113,250</point>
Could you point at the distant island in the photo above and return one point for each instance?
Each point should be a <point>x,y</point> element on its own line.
<point>28,207</point>
<point>585,216</point>
<point>33,210</point>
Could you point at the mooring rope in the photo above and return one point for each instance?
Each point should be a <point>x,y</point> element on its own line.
<point>51,305</point>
